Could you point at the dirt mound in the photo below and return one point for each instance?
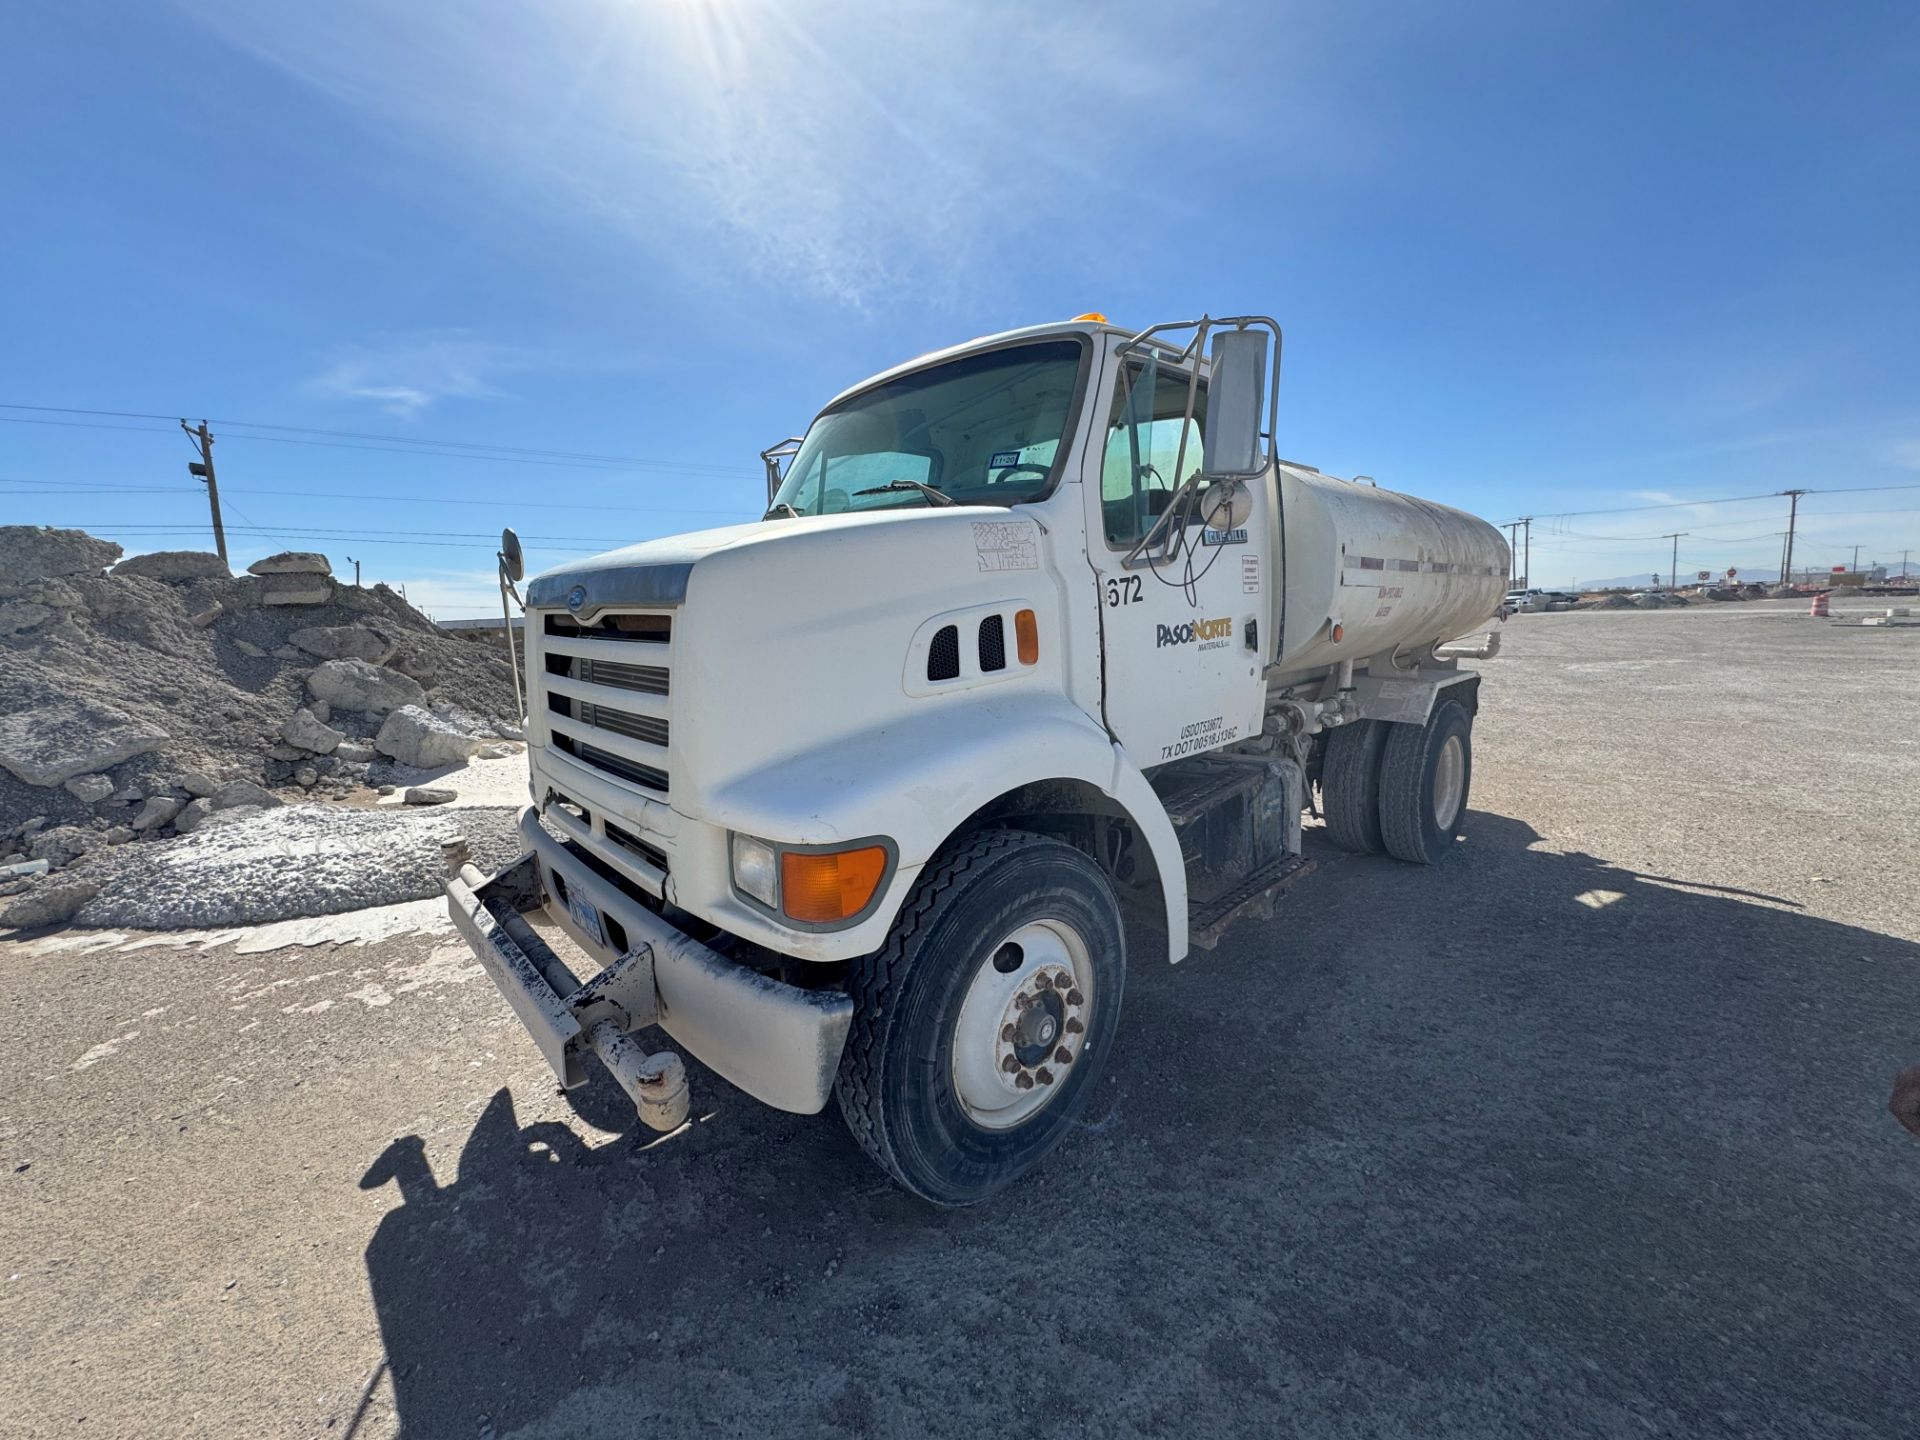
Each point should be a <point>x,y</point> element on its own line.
<point>171,678</point>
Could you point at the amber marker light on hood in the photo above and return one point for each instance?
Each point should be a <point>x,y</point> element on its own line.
<point>1026,637</point>
<point>821,889</point>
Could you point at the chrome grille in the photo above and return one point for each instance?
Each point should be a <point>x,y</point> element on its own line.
<point>603,691</point>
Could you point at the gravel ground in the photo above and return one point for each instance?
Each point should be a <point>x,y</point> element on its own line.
<point>1581,1132</point>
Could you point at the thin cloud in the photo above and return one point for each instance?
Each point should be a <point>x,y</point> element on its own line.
<point>834,147</point>
<point>406,377</point>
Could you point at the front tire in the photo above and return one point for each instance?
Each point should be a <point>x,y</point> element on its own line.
<point>980,1027</point>
<point>1426,772</point>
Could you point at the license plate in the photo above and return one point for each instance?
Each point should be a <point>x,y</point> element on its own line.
<point>587,916</point>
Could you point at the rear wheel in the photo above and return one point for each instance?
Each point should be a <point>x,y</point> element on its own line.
<point>981,1026</point>
<point>1350,785</point>
<point>1426,772</point>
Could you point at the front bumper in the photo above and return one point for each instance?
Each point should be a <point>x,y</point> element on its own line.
<point>777,1042</point>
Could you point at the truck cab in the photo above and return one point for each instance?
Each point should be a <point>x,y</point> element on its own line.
<point>1031,665</point>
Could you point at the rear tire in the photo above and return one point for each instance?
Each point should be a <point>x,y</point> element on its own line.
<point>924,1084</point>
<point>1426,772</point>
<point>1350,786</point>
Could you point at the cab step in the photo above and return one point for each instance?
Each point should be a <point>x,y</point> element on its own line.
<point>1251,899</point>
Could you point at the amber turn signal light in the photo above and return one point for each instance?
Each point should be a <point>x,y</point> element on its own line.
<point>821,889</point>
<point>1026,637</point>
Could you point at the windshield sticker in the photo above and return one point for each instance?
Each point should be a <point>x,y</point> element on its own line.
<point>1005,545</point>
<point>1250,574</point>
<point>1223,537</point>
<point>1002,459</point>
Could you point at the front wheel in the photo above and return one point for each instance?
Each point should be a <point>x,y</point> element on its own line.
<point>980,1027</point>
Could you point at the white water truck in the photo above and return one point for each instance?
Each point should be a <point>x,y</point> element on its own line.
<point>1031,668</point>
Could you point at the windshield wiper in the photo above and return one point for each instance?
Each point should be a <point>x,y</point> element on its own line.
<point>934,497</point>
<point>780,507</point>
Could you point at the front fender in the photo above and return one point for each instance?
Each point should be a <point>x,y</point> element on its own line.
<point>917,783</point>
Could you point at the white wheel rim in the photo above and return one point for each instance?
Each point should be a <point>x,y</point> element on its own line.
<point>1021,1029</point>
<point>1449,782</point>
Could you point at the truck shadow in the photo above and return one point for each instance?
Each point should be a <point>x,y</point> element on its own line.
<point>1616,1137</point>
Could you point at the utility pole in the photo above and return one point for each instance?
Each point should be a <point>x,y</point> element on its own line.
<point>202,470</point>
<point>1526,522</point>
<point>1512,528</point>
<point>356,571</point>
<point>1903,563</point>
<point>1793,514</point>
<point>1856,559</point>
<point>1673,575</point>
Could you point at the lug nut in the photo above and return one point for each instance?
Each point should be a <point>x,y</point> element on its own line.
<point>1063,1055</point>
<point>1024,1081</point>
<point>1010,1064</point>
<point>1006,1033</point>
<point>1074,997</point>
<point>1043,981</point>
<point>1044,1075</point>
<point>1073,1026</point>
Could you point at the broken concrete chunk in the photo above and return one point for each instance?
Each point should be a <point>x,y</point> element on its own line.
<point>191,814</point>
<point>306,732</point>
<point>19,616</point>
<point>422,739</point>
<point>23,868</point>
<point>247,647</point>
<point>344,642</point>
<point>292,562</point>
<point>89,789</point>
<point>322,711</point>
<point>196,784</point>
<point>120,834</point>
<point>427,795</point>
<point>63,844</point>
<point>33,552</point>
<point>236,793</point>
<point>207,617</point>
<point>49,904</point>
<point>156,812</point>
<point>296,590</point>
<point>175,566</point>
<point>306,777</point>
<point>352,752</point>
<point>358,685</point>
<point>65,737</point>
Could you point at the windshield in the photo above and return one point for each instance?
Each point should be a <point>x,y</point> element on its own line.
<point>984,429</point>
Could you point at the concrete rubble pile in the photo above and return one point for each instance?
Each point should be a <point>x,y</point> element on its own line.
<point>149,698</point>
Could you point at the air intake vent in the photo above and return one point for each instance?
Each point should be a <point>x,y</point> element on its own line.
<point>993,644</point>
<point>943,655</point>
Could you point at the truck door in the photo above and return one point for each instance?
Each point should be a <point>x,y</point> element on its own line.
<point>1180,658</point>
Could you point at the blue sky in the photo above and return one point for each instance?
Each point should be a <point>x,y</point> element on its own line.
<point>1530,259</point>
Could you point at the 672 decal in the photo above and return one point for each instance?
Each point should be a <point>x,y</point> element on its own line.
<point>1122,590</point>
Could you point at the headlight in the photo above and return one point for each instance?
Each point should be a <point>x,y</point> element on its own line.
<point>756,870</point>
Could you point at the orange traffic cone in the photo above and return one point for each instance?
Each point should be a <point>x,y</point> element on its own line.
<point>1819,605</point>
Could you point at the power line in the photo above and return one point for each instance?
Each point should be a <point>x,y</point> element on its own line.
<point>463,501</point>
<point>1722,500</point>
<point>390,444</point>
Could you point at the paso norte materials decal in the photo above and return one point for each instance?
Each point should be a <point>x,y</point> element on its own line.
<point>1208,634</point>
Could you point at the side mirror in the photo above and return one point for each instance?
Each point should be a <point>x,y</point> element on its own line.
<point>1225,504</point>
<point>1236,402</point>
<point>513,564</point>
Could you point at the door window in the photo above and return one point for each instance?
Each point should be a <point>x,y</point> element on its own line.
<point>1144,433</point>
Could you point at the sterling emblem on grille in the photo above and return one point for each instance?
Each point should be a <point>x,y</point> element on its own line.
<point>576,597</point>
